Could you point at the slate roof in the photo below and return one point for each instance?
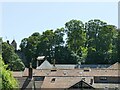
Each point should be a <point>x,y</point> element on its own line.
<point>45,65</point>
<point>65,66</point>
<point>92,66</point>
<point>115,66</point>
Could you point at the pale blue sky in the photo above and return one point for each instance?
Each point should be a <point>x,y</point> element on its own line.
<point>20,20</point>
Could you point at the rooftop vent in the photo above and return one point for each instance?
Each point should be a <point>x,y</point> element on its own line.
<point>53,80</point>
<point>80,73</point>
<point>65,73</point>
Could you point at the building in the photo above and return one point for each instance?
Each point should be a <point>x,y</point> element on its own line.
<point>14,44</point>
<point>62,77</point>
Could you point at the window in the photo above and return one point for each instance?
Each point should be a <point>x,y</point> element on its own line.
<point>38,78</point>
<point>86,70</point>
<point>53,70</point>
<point>53,80</point>
<point>103,78</point>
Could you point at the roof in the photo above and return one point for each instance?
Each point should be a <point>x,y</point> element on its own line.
<point>74,72</point>
<point>17,74</point>
<point>66,78</point>
<point>65,66</point>
<point>92,66</point>
<point>61,82</point>
<point>115,66</point>
<point>45,65</point>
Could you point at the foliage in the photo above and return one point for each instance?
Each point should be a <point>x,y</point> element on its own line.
<point>76,38</point>
<point>100,38</point>
<point>94,42</point>
<point>8,81</point>
<point>118,46</point>
<point>29,47</point>
<point>11,58</point>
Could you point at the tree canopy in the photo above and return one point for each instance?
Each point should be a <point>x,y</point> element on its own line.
<point>11,58</point>
<point>92,42</point>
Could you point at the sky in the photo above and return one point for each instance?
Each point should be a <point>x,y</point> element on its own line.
<point>21,19</point>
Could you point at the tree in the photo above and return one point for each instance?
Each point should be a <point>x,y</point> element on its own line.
<point>118,46</point>
<point>76,37</point>
<point>64,56</point>
<point>94,42</point>
<point>29,48</point>
<point>45,46</point>
<point>49,41</point>
<point>100,38</point>
<point>106,46</point>
<point>11,58</point>
<point>8,82</point>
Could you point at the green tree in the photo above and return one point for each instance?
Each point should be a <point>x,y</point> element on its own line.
<point>49,41</point>
<point>100,38</point>
<point>45,46</point>
<point>11,58</point>
<point>29,48</point>
<point>64,56</point>
<point>118,46</point>
<point>76,38</point>
<point>106,46</point>
<point>8,81</point>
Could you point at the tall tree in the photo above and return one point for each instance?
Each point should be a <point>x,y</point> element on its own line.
<point>76,37</point>
<point>11,58</point>
<point>118,46</point>
<point>49,41</point>
<point>29,46</point>
<point>45,45</point>
<point>99,41</point>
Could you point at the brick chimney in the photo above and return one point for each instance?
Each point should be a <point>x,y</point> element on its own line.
<point>30,71</point>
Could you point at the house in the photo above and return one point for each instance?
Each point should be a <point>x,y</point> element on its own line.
<point>47,76</point>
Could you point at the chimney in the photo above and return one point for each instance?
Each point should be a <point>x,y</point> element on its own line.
<point>54,62</point>
<point>30,71</point>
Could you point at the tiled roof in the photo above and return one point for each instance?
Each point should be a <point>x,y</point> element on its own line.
<point>65,78</point>
<point>17,74</point>
<point>74,72</point>
<point>61,82</point>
